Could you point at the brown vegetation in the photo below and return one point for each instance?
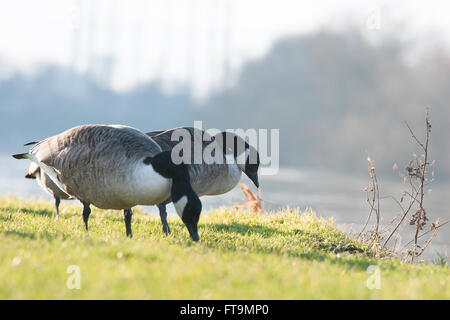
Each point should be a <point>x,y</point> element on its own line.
<point>254,202</point>
<point>417,176</point>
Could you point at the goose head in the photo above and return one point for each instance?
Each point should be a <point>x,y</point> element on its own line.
<point>186,202</point>
<point>187,205</point>
<point>245,156</point>
<point>248,162</point>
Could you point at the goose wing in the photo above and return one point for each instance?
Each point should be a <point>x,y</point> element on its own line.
<point>90,142</point>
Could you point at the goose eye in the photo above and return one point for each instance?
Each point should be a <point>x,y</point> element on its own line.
<point>148,160</point>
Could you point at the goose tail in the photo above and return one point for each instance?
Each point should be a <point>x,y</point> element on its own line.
<point>50,171</point>
<point>21,156</point>
<point>31,143</point>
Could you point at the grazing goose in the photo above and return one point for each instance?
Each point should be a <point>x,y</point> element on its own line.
<point>116,167</point>
<point>211,179</point>
<point>46,183</point>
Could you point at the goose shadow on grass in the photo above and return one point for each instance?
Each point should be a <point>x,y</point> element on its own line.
<point>37,235</point>
<point>37,212</point>
<point>10,211</point>
<point>245,229</point>
<point>25,235</point>
<point>320,253</point>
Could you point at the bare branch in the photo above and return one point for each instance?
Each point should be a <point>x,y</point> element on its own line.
<point>416,176</point>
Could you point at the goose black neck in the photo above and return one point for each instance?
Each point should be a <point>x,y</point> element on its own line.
<point>162,163</point>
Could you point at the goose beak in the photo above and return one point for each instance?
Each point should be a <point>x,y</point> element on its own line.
<point>193,231</point>
<point>254,177</point>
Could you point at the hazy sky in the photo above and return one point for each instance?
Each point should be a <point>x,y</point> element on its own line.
<point>188,42</point>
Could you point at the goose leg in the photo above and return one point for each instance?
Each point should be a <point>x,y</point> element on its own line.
<point>86,213</point>
<point>127,214</point>
<point>163,215</point>
<point>57,202</point>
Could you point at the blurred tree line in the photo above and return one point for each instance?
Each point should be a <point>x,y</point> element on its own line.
<point>332,95</point>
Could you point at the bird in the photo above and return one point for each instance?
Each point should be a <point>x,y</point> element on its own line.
<point>214,178</point>
<point>116,167</point>
<point>46,183</point>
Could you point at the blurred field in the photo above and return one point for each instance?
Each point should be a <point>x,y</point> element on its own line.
<point>287,255</point>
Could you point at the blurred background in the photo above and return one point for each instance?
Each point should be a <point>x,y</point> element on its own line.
<point>338,78</point>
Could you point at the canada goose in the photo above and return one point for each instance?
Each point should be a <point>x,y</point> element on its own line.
<point>212,179</point>
<point>116,167</point>
<point>46,183</point>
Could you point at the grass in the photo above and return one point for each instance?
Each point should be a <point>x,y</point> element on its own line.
<point>285,255</point>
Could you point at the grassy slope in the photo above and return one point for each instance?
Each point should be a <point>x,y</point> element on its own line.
<point>289,255</point>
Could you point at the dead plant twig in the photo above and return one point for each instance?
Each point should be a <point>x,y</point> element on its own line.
<point>373,199</point>
<point>254,201</point>
<point>417,177</point>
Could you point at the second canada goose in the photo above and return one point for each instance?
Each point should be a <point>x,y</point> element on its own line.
<point>212,179</point>
<point>46,183</point>
<point>116,167</point>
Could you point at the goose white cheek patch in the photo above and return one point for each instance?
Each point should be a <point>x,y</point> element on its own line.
<point>180,205</point>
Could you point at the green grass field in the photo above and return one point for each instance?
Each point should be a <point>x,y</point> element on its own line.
<point>287,255</point>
